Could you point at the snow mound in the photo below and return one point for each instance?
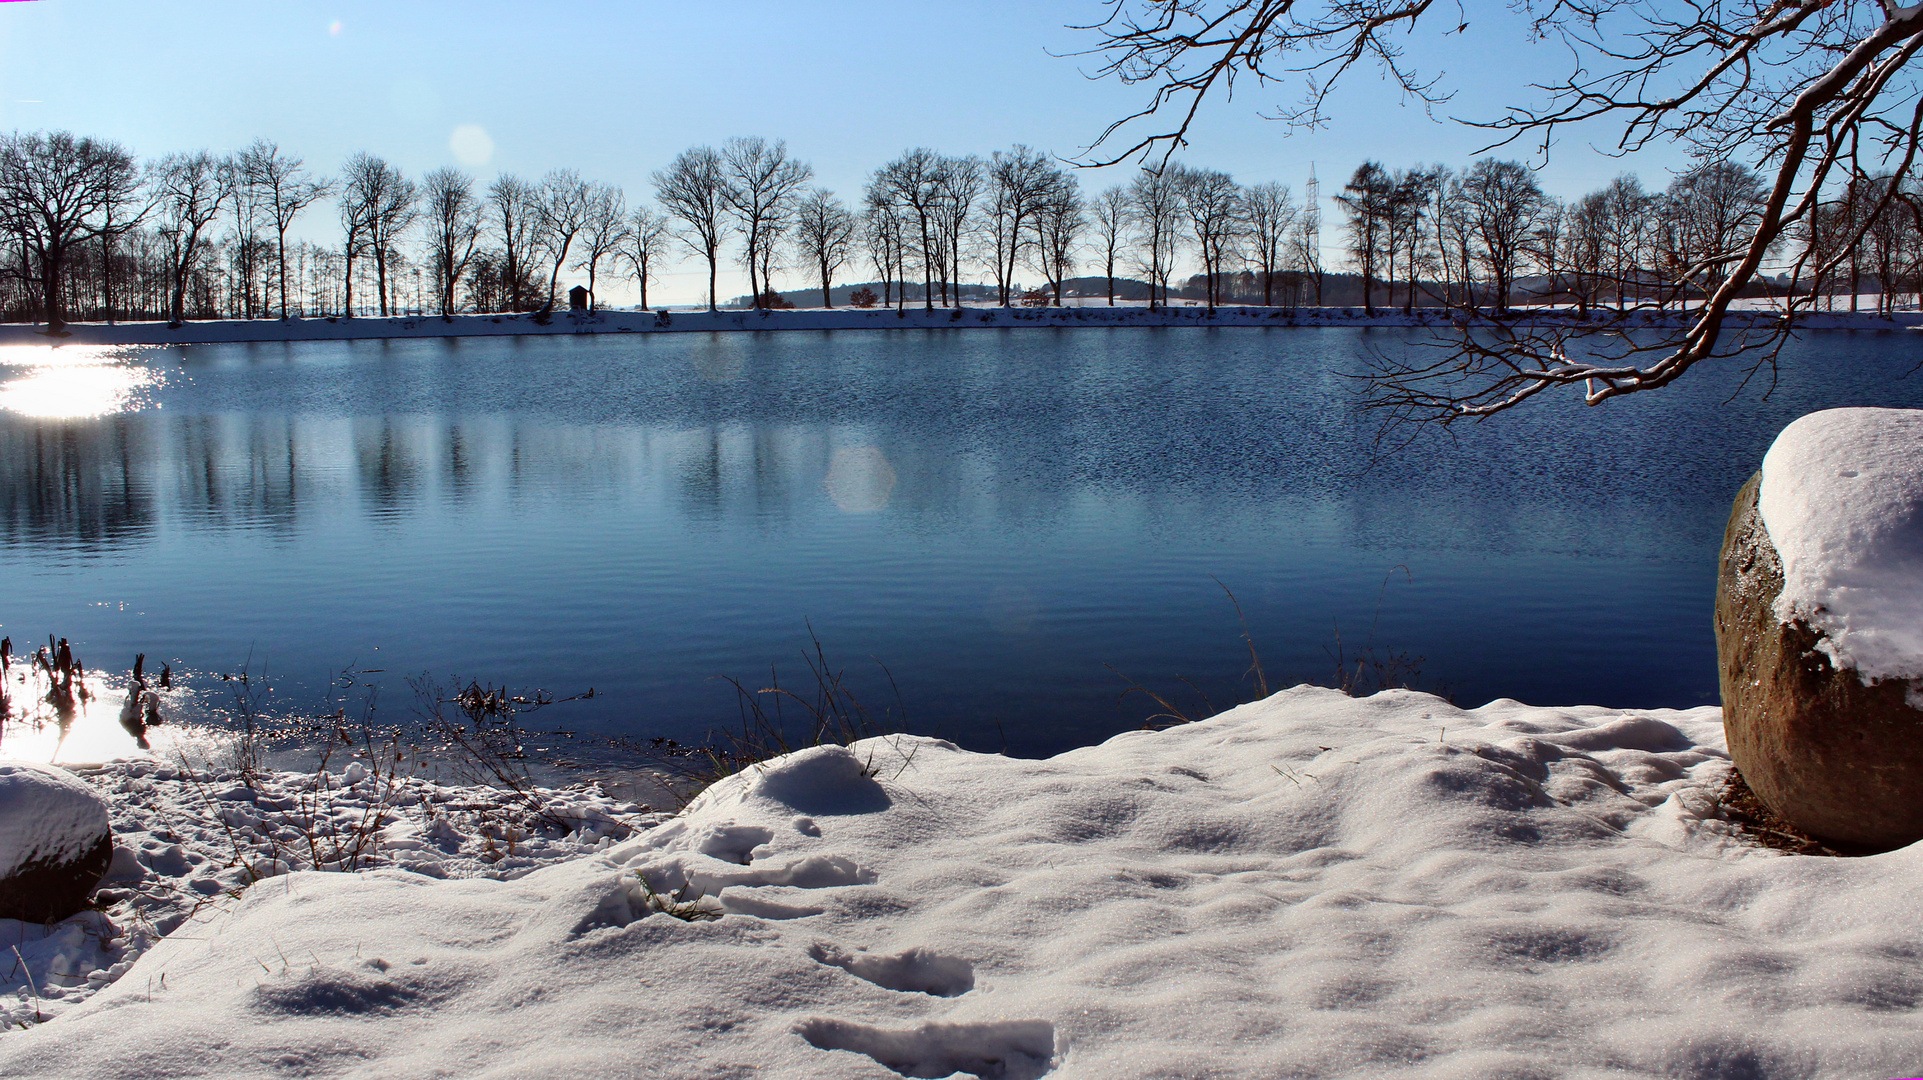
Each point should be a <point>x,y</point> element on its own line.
<point>1308,886</point>
<point>1842,499</point>
<point>46,814</point>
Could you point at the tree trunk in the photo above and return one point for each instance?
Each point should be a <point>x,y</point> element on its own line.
<point>50,260</point>
<point>754,287</point>
<point>380,275</point>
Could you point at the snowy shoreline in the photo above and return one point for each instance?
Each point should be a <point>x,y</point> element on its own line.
<point>191,838</point>
<point>643,322</point>
<point>1309,885</point>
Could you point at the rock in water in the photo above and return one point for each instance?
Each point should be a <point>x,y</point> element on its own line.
<point>55,842</point>
<point>1816,629</point>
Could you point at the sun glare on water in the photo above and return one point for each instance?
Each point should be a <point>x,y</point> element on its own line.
<point>72,383</point>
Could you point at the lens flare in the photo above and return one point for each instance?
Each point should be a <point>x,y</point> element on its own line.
<point>72,383</point>
<point>860,480</point>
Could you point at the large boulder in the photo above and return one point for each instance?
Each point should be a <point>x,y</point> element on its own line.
<point>1818,627</point>
<point>56,842</point>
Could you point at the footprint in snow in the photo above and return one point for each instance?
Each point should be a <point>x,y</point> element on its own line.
<point>995,1050</point>
<point>920,971</point>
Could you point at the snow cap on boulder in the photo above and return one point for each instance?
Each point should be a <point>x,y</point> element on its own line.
<point>55,841</point>
<point>1842,500</point>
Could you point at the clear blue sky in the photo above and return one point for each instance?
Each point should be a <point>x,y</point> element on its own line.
<point>616,89</point>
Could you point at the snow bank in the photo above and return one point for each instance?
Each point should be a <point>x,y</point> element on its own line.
<point>46,814</point>
<point>1842,498</point>
<point>188,842</point>
<point>1310,886</point>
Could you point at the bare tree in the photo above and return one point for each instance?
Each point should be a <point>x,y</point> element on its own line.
<point>1059,222</point>
<point>1271,218</point>
<point>692,188</point>
<point>884,233</point>
<point>605,232</point>
<point>1805,90</point>
<point>1586,249</point>
<point>123,209</point>
<point>647,236</point>
<point>825,234</point>
<point>1212,203</point>
<point>380,205</point>
<point>1155,204</point>
<point>1717,206</point>
<point>563,208</point>
<point>1504,201</point>
<point>913,182</point>
<point>517,218</point>
<point>189,190</point>
<point>1018,180</point>
<point>454,229</point>
<point>1626,213</point>
<point>1369,197</point>
<point>1112,218</point>
<point>56,193</point>
<point>959,186</point>
<point>760,185</point>
<point>279,184</point>
<point>1409,225</point>
<point>1547,245</point>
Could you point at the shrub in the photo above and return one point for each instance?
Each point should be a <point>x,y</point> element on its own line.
<point>773,300</point>
<point>864,297</point>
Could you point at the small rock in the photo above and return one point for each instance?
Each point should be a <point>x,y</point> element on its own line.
<point>56,842</point>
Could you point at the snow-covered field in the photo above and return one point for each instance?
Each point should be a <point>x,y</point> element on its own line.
<point>632,322</point>
<point>1307,886</point>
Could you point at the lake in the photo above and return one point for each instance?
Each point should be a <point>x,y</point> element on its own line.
<point>1008,521</point>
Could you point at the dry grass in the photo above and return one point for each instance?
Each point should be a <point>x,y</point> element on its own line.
<point>1742,807</point>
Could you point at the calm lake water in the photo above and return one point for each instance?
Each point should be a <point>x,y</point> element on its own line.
<point>1004,519</point>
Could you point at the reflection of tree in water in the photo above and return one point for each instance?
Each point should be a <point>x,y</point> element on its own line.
<point>700,476</point>
<point>390,470</point>
<point>236,472</point>
<point>73,482</point>
<point>270,493</point>
<point>458,462</point>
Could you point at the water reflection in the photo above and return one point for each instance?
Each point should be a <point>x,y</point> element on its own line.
<point>90,484</point>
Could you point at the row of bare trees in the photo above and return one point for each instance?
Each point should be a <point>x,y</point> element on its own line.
<point>1465,237</point>
<point>88,230</point>
<point>929,218</point>
<point>201,235</point>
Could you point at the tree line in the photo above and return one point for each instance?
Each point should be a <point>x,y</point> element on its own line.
<point>1465,238</point>
<point>90,233</point>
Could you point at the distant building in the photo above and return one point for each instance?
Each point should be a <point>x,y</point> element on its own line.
<point>578,298</point>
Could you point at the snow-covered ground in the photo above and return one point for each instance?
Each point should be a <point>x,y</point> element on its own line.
<point>1308,886</point>
<point>190,838</point>
<point>632,322</point>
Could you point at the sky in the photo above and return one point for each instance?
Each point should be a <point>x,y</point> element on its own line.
<point>616,89</point>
